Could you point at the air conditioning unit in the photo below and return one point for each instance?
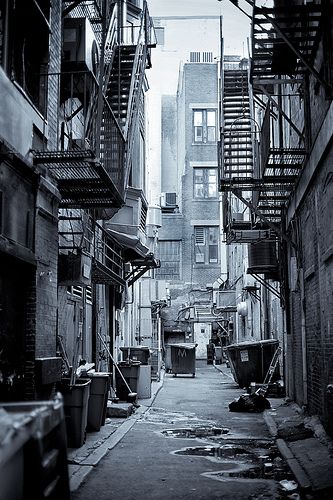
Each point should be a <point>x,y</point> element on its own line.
<point>80,48</point>
<point>168,200</point>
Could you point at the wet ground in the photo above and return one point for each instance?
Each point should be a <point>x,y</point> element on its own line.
<point>188,444</point>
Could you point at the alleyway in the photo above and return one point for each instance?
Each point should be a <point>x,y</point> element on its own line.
<point>189,445</point>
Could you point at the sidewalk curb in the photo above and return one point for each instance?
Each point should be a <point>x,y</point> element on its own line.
<point>301,476</point>
<point>79,472</point>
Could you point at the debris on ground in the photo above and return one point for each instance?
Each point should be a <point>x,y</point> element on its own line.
<point>287,485</point>
<point>294,429</point>
<point>253,403</point>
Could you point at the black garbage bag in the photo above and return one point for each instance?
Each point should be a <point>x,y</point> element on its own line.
<point>252,403</point>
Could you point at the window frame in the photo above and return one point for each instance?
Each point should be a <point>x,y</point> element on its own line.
<point>202,128</point>
<point>206,245</point>
<point>206,176</point>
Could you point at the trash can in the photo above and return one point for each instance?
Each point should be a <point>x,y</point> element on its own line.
<point>218,355</point>
<point>31,433</point>
<point>249,361</point>
<point>130,372</point>
<point>136,353</point>
<point>210,353</point>
<point>76,399</point>
<point>183,358</point>
<point>97,400</point>
<point>167,359</point>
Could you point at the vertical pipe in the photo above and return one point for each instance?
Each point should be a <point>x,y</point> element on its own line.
<point>303,339</point>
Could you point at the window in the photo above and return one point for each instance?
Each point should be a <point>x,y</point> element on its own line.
<point>205,183</point>
<point>169,255</point>
<point>24,45</point>
<point>206,244</point>
<point>204,126</point>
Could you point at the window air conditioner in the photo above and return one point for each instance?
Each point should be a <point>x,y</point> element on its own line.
<point>168,200</point>
<point>80,48</point>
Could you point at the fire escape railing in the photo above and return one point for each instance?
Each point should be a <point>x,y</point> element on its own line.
<point>79,233</point>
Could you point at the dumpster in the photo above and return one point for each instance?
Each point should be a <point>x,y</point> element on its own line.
<point>31,433</point>
<point>98,398</point>
<point>130,372</point>
<point>249,361</point>
<point>183,358</point>
<point>76,399</point>
<point>136,353</point>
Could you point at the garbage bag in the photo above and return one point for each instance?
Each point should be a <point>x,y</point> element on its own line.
<point>254,403</point>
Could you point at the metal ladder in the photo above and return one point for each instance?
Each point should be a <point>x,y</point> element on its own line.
<point>269,375</point>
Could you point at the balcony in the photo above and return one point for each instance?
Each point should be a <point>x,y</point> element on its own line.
<point>87,164</point>
<point>88,253</point>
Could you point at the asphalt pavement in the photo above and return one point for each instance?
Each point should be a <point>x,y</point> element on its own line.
<point>185,442</point>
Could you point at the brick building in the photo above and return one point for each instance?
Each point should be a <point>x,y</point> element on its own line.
<point>72,138</point>
<point>189,240</point>
<point>291,184</point>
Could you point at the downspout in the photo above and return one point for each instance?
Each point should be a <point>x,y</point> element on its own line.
<point>264,292</point>
<point>303,339</point>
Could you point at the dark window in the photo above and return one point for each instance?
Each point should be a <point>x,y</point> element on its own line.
<point>24,45</point>
<point>206,244</point>
<point>169,255</point>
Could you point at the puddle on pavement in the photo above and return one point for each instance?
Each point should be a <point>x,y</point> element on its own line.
<point>195,432</point>
<point>163,416</point>
<point>242,460</point>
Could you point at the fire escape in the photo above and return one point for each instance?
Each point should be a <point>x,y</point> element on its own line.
<point>90,152</point>
<point>284,42</point>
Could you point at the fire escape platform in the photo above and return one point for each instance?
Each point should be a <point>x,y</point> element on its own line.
<point>82,181</point>
<point>275,31</point>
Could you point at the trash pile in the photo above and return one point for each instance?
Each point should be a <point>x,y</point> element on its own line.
<point>252,403</point>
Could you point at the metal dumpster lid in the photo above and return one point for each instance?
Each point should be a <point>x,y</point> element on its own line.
<point>254,343</point>
<point>184,346</point>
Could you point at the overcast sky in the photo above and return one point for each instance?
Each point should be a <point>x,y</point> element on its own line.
<point>235,25</point>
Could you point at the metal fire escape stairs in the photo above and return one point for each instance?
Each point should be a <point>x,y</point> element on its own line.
<point>124,87</point>
<point>94,171</point>
<point>86,178</point>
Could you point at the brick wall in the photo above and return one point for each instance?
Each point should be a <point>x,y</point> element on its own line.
<point>315,216</point>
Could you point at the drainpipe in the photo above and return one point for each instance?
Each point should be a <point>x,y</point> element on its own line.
<point>303,339</point>
<point>265,312</point>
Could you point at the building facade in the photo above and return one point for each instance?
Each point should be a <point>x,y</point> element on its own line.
<point>72,132</point>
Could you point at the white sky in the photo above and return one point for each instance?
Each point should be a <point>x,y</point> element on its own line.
<point>235,25</point>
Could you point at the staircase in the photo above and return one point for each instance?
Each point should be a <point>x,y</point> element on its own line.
<point>237,146</point>
<point>119,87</point>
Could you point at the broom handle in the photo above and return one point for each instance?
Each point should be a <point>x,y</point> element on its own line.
<point>113,361</point>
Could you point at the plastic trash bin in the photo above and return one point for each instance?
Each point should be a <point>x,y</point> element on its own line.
<point>167,359</point>
<point>218,355</point>
<point>249,361</point>
<point>183,358</point>
<point>130,372</point>
<point>33,457</point>
<point>76,399</point>
<point>136,353</point>
<point>97,400</point>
